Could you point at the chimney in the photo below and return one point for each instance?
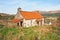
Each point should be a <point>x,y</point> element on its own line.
<point>19,9</point>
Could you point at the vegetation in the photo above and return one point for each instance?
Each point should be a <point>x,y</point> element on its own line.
<point>58,19</point>
<point>9,17</point>
<point>52,15</point>
<point>31,33</point>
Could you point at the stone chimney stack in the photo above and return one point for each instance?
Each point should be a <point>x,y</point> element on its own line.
<point>19,9</point>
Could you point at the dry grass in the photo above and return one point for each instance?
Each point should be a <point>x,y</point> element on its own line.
<point>31,33</point>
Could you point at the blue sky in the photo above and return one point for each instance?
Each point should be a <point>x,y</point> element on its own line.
<point>10,6</point>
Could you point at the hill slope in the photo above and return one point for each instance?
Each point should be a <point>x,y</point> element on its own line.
<point>5,16</point>
<point>51,13</point>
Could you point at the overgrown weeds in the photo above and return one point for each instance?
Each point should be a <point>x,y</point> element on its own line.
<point>31,33</point>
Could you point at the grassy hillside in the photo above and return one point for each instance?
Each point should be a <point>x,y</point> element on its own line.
<point>31,33</point>
<point>6,16</point>
<point>52,15</point>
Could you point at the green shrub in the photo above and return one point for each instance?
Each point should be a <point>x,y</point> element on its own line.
<point>1,26</point>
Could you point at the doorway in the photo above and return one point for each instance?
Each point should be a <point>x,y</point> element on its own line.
<point>37,23</point>
<point>18,24</point>
<point>21,23</point>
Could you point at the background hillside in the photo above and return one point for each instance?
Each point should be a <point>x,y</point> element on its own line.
<point>51,13</point>
<point>5,16</point>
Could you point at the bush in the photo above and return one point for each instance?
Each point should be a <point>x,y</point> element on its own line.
<point>1,26</point>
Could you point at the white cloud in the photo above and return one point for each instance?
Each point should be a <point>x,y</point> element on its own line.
<point>51,8</point>
<point>39,6</point>
<point>11,6</point>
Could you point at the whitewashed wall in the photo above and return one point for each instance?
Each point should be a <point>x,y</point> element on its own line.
<point>42,21</point>
<point>33,21</point>
<point>39,24</point>
<point>19,16</point>
<point>28,23</point>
